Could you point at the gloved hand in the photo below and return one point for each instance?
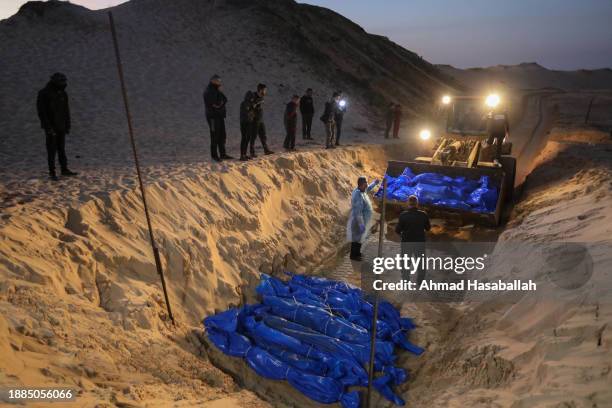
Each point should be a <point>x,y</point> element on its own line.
<point>49,132</point>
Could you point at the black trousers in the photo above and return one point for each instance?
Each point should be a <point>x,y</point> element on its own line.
<point>306,126</point>
<point>338,131</point>
<point>217,136</point>
<point>245,137</point>
<point>499,138</point>
<point>258,128</point>
<point>388,128</point>
<point>414,250</point>
<point>291,128</point>
<point>355,250</point>
<point>56,144</point>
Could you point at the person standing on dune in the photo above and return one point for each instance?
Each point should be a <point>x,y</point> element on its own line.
<point>291,122</point>
<point>328,118</point>
<point>215,105</point>
<point>258,127</point>
<point>247,117</point>
<point>307,111</point>
<point>340,111</point>
<point>54,115</point>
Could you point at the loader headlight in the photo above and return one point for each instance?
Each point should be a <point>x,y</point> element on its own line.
<point>425,134</point>
<point>492,100</point>
<point>446,99</point>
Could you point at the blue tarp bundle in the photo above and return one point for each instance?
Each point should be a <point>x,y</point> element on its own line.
<point>443,191</point>
<point>315,333</point>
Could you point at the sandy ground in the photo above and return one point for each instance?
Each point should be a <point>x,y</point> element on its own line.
<point>80,299</point>
<point>169,52</point>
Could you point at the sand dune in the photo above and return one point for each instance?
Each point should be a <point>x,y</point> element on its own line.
<point>170,49</point>
<point>530,76</point>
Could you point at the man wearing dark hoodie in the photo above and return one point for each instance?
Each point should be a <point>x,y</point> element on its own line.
<point>54,115</point>
<point>215,104</point>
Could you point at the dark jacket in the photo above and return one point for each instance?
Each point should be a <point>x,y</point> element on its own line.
<point>329,114</point>
<point>53,110</point>
<point>307,105</point>
<point>246,110</point>
<point>291,115</point>
<point>257,106</point>
<point>412,225</point>
<point>214,102</point>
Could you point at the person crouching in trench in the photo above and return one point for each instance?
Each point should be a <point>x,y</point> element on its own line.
<point>361,216</point>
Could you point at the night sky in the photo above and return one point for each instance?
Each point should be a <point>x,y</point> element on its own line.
<point>559,34</point>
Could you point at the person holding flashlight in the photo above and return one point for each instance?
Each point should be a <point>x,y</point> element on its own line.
<point>339,117</point>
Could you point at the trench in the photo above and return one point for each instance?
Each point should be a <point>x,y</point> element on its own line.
<point>441,325</point>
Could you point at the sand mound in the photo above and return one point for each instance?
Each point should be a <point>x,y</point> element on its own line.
<point>80,296</point>
<point>170,49</point>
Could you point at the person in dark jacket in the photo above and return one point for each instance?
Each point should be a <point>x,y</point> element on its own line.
<point>247,117</point>
<point>258,127</point>
<point>390,117</point>
<point>329,120</point>
<point>215,104</point>
<point>340,111</point>
<point>54,115</point>
<point>397,118</point>
<point>412,225</point>
<point>307,110</point>
<point>291,122</point>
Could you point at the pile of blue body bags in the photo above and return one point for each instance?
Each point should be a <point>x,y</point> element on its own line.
<point>443,191</point>
<point>315,334</point>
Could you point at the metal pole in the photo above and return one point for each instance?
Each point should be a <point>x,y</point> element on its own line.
<point>588,113</point>
<point>381,237</point>
<point>158,264</point>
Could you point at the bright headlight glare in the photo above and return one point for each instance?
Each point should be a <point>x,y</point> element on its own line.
<point>342,103</point>
<point>425,134</point>
<point>492,100</point>
<point>446,99</point>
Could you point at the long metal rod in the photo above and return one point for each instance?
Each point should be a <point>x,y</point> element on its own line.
<point>158,264</point>
<point>381,238</point>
